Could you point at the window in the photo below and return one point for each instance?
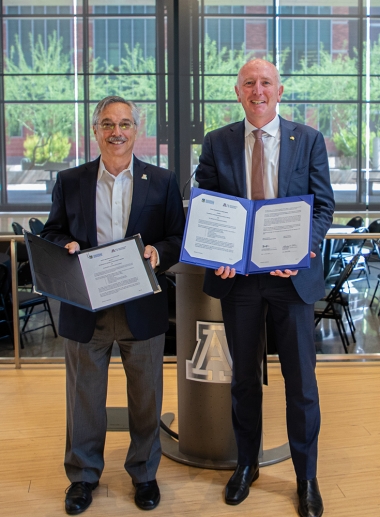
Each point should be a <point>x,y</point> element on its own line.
<point>178,60</point>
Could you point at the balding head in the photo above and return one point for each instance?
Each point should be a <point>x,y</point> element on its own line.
<point>259,89</point>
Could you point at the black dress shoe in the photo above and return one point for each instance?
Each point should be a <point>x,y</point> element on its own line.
<point>79,496</point>
<point>147,495</point>
<point>237,489</point>
<point>310,500</point>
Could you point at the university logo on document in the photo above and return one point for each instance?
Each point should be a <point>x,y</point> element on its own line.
<point>211,361</point>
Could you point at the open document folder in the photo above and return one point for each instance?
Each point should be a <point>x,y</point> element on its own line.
<point>94,278</point>
<point>250,236</point>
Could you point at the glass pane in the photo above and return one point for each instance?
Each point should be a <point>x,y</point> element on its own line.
<point>243,6</point>
<point>46,87</point>
<point>318,47</point>
<point>42,46</point>
<point>339,125</point>
<point>47,7</point>
<point>133,87</point>
<point>373,6</point>
<point>125,48</point>
<point>371,151</point>
<point>120,7</point>
<point>220,114</point>
<point>315,7</point>
<point>320,87</point>
<point>124,45</point>
<point>371,61</point>
<point>41,139</point>
<point>219,87</point>
<point>229,43</point>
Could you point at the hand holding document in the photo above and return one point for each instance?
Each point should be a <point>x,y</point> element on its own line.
<point>250,236</point>
<point>94,278</point>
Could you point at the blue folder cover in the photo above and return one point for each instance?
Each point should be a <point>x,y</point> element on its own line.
<point>213,238</point>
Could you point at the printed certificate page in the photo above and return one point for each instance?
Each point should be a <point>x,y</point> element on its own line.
<point>216,229</point>
<point>114,273</point>
<point>281,234</point>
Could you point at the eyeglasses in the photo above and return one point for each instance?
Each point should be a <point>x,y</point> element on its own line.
<point>108,126</point>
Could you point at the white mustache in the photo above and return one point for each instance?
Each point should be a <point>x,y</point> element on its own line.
<point>113,139</point>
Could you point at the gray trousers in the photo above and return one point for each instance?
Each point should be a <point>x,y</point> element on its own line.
<point>86,391</point>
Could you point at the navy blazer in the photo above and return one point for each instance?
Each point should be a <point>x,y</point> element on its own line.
<point>303,169</point>
<point>156,213</point>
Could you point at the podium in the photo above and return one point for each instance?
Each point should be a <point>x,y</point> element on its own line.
<point>206,437</point>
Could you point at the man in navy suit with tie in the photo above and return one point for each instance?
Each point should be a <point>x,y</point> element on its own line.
<point>294,162</point>
<point>113,197</point>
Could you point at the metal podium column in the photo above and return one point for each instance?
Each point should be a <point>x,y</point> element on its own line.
<point>206,437</point>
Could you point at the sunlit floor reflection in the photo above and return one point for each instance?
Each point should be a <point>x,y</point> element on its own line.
<point>366,319</point>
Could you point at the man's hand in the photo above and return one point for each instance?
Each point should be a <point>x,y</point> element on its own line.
<point>151,254</point>
<point>288,272</point>
<point>225,272</point>
<point>73,247</point>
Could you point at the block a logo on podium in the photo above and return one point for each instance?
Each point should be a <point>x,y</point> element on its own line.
<point>211,361</point>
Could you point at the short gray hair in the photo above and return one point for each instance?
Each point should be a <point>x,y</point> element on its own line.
<point>110,100</point>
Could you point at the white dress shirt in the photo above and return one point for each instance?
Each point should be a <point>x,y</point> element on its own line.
<point>271,141</point>
<point>113,203</point>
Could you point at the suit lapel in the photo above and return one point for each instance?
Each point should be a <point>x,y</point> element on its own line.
<point>290,141</point>
<point>236,145</point>
<point>141,181</point>
<point>88,182</point>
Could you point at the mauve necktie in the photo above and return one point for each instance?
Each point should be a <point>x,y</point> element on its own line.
<point>257,173</point>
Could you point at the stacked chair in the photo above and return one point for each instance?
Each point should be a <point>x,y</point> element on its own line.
<point>335,305</point>
<point>345,252</point>
<point>36,226</point>
<point>30,303</point>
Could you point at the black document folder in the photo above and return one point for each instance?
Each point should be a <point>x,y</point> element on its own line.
<point>59,275</point>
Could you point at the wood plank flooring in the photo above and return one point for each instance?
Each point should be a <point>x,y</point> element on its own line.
<point>32,438</point>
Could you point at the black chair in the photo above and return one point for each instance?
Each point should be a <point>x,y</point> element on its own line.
<point>335,258</point>
<point>344,300</point>
<point>374,294</point>
<point>331,307</point>
<point>17,228</point>
<point>36,226</point>
<point>356,246</point>
<point>335,250</point>
<point>374,227</point>
<point>28,301</point>
<point>348,250</point>
<point>24,274</point>
<point>356,222</point>
<point>5,307</point>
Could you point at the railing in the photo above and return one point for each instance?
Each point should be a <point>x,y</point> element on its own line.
<point>358,236</point>
<point>18,360</point>
<point>15,312</point>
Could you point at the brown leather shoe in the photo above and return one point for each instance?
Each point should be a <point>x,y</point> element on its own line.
<point>310,500</point>
<point>237,488</point>
<point>79,497</point>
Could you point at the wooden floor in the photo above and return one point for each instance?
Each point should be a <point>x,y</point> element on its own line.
<point>32,437</point>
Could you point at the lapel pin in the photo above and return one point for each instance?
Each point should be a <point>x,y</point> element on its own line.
<point>144,177</point>
<point>292,138</point>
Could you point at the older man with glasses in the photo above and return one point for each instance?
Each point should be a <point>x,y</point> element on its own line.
<point>113,197</point>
